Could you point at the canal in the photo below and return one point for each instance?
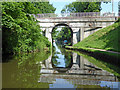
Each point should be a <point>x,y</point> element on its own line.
<point>59,69</point>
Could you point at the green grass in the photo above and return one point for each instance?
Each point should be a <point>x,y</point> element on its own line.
<point>106,38</point>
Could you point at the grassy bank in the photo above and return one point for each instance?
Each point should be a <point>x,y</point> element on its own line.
<point>106,38</point>
<point>112,58</point>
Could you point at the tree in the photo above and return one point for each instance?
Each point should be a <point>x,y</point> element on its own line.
<point>21,33</point>
<point>44,7</point>
<point>54,33</point>
<point>75,7</point>
<point>64,34</point>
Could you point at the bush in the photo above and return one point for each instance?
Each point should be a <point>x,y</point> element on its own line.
<point>21,33</point>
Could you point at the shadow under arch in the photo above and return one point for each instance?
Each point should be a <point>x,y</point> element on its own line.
<point>63,24</point>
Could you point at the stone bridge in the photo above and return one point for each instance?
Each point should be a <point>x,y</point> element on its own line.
<point>81,25</point>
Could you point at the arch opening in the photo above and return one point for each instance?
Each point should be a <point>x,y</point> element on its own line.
<point>60,59</point>
<point>61,33</point>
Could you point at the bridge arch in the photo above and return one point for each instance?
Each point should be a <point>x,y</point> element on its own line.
<point>81,27</point>
<point>66,25</point>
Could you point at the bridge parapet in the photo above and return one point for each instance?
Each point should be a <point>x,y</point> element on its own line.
<point>81,14</point>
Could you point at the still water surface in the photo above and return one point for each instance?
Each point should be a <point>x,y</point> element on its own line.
<point>61,69</point>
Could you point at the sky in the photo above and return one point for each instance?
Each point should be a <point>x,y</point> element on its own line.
<point>59,5</point>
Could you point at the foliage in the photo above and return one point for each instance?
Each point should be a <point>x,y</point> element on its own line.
<point>21,33</point>
<point>64,34</point>
<point>44,7</point>
<point>54,33</point>
<point>82,7</point>
<point>106,38</point>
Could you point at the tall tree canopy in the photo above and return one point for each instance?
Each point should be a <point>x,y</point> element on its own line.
<point>82,7</point>
<point>21,32</point>
<point>44,7</point>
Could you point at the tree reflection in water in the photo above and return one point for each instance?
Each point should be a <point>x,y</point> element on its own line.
<point>60,57</point>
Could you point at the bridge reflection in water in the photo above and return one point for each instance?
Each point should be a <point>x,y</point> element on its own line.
<point>80,71</point>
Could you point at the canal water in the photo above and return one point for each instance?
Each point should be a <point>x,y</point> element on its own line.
<point>59,69</point>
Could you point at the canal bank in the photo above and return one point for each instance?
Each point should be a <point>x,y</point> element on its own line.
<point>108,56</point>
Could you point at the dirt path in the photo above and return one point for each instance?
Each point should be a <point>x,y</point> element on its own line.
<point>105,50</point>
<point>99,50</point>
